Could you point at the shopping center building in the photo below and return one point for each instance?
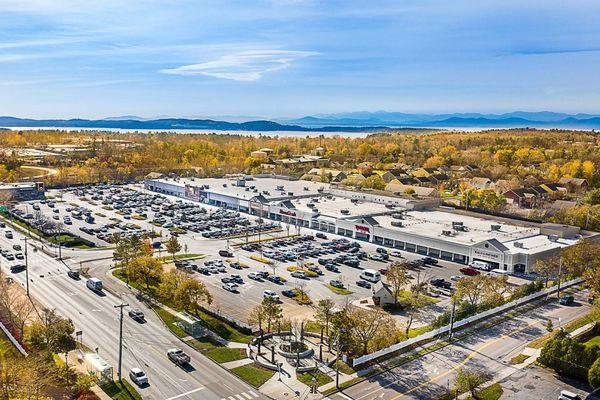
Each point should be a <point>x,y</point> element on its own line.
<point>417,225</point>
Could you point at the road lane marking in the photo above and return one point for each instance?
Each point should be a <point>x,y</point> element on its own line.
<point>239,396</point>
<point>185,394</point>
<point>469,357</point>
<point>252,393</point>
<point>246,395</point>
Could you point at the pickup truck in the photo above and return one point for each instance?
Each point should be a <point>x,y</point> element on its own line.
<point>178,356</point>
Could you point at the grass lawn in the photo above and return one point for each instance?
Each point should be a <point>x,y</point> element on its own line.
<point>518,359</point>
<point>302,298</point>
<point>169,320</point>
<point>121,391</point>
<point>307,378</point>
<point>492,392</point>
<point>344,368</point>
<point>189,256</point>
<point>419,331</point>
<point>308,272</point>
<point>255,376</point>
<point>336,290</point>
<point>225,354</point>
<point>568,327</point>
<point>404,295</point>
<point>262,260</point>
<point>6,347</point>
<point>595,341</point>
<point>219,327</point>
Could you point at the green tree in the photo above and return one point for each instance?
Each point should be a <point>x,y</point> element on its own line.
<point>53,333</point>
<point>397,276</point>
<point>470,380</point>
<point>549,326</point>
<point>324,313</point>
<point>548,268</point>
<point>173,246</point>
<point>170,282</point>
<point>145,269</point>
<point>594,374</point>
<point>190,294</point>
<point>272,312</point>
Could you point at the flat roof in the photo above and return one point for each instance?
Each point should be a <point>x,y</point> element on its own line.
<point>267,187</point>
<point>333,207</point>
<point>432,223</point>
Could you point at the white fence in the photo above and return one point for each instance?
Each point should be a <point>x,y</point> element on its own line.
<point>457,325</point>
<point>12,339</point>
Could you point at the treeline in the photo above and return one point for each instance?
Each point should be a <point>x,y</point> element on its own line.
<point>519,153</point>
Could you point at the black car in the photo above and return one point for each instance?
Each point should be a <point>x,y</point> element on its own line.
<point>136,314</point>
<point>321,235</point>
<point>364,284</point>
<point>74,275</point>
<point>288,293</point>
<point>17,268</point>
<point>274,279</point>
<point>225,253</point>
<point>441,283</point>
<point>430,261</point>
<point>331,267</point>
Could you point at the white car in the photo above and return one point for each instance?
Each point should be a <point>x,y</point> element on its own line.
<point>455,278</point>
<point>138,377</point>
<point>230,287</point>
<point>270,294</point>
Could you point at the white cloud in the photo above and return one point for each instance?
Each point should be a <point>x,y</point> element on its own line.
<point>248,65</point>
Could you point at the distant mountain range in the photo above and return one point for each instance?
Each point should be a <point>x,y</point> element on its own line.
<point>361,121</point>
<point>177,124</point>
<point>543,119</point>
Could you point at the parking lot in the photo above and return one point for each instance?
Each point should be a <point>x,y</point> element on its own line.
<point>266,258</point>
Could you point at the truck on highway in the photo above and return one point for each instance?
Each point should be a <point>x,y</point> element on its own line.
<point>178,356</point>
<point>94,284</point>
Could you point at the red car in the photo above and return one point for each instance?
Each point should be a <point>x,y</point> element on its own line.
<point>469,271</point>
<point>383,271</point>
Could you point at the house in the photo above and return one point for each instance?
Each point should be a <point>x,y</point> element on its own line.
<point>154,175</point>
<point>408,181</point>
<point>574,184</point>
<point>480,182</point>
<point>554,190</point>
<point>438,178</point>
<point>259,154</point>
<point>303,160</point>
<point>382,294</point>
<point>336,175</point>
<point>388,176</point>
<point>425,172</point>
<point>522,197</point>
<point>354,179</point>
<point>560,205</point>
<point>423,180</point>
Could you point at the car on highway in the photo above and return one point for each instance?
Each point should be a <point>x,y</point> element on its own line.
<point>17,268</point>
<point>441,283</point>
<point>566,300</point>
<point>136,314</point>
<point>230,287</point>
<point>138,377</point>
<point>269,294</point>
<point>469,271</point>
<point>73,275</point>
<point>8,234</point>
<point>16,247</point>
<point>364,284</point>
<point>178,356</point>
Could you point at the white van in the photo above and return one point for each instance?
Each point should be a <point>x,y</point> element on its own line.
<point>370,275</point>
<point>94,284</point>
<point>480,265</point>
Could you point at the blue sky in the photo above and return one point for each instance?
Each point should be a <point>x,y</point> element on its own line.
<point>276,58</point>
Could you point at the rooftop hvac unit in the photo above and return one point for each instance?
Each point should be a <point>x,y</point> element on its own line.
<point>447,233</point>
<point>496,227</point>
<point>247,189</point>
<point>320,190</point>
<point>224,185</point>
<point>279,187</point>
<point>518,244</point>
<point>553,238</point>
<point>460,227</point>
<point>310,205</point>
<point>457,223</point>
<point>306,188</point>
<point>206,186</point>
<point>345,212</point>
<point>290,193</point>
<point>354,201</point>
<point>398,216</point>
<point>397,224</point>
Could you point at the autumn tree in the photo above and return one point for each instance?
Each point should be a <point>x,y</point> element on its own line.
<point>323,313</point>
<point>470,381</point>
<point>173,246</point>
<point>397,277</point>
<point>170,282</point>
<point>144,269</point>
<point>190,294</point>
<point>548,268</point>
<point>53,333</point>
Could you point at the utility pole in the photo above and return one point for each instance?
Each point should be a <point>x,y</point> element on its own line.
<point>337,362</point>
<point>25,239</point>
<point>559,276</point>
<point>121,306</point>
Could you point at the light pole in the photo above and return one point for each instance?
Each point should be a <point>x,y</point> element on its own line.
<point>25,239</point>
<point>121,306</point>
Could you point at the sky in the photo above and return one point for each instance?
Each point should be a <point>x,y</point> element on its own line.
<point>289,58</point>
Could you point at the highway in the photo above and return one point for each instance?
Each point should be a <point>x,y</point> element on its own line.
<point>489,349</point>
<point>145,344</point>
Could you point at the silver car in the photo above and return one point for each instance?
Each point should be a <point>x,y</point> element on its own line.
<point>138,377</point>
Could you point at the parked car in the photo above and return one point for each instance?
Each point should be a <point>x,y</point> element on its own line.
<point>320,235</point>
<point>364,284</point>
<point>566,300</point>
<point>441,283</point>
<point>430,261</point>
<point>567,395</point>
<point>469,271</point>
<point>178,356</point>
<point>255,276</point>
<point>288,293</point>
<point>336,283</point>
<point>270,295</point>
<point>299,274</point>
<point>225,253</point>
<point>230,287</point>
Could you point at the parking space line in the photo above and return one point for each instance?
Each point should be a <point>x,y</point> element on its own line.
<point>185,394</point>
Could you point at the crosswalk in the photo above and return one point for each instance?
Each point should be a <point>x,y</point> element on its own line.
<point>242,396</point>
